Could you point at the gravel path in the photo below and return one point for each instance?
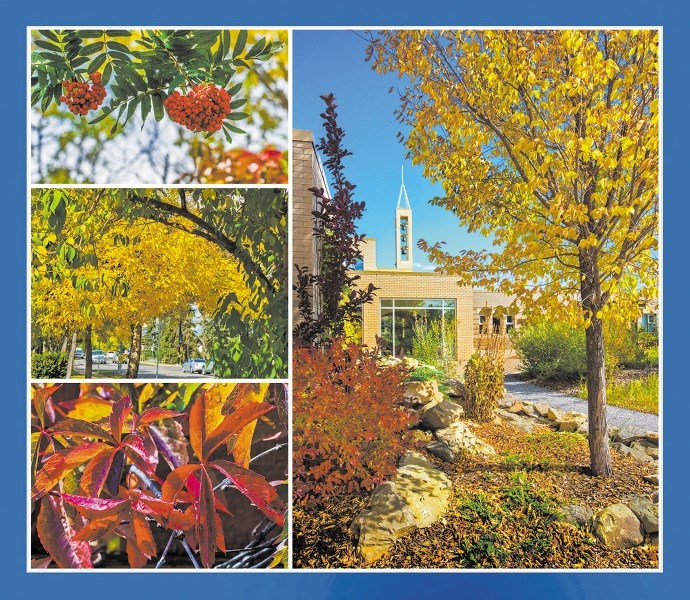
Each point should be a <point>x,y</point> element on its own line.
<point>615,416</point>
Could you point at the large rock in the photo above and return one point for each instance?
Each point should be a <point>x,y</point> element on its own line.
<point>628,434</point>
<point>425,490</point>
<point>646,511</point>
<point>654,479</point>
<point>652,436</point>
<point>442,415</point>
<point>422,392</point>
<point>576,514</point>
<point>519,421</point>
<point>647,447</point>
<point>385,519</point>
<point>636,453</point>
<point>416,497</point>
<point>413,458</point>
<point>410,363</point>
<point>441,450</point>
<point>570,421</point>
<point>617,527</point>
<point>456,389</point>
<point>460,439</point>
<point>542,409</point>
<point>553,415</point>
<point>516,407</point>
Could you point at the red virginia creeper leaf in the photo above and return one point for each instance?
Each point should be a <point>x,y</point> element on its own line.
<point>98,528</point>
<point>43,408</point>
<point>96,472</point>
<point>206,520</point>
<point>176,481</point>
<point>171,442</point>
<point>246,393</point>
<point>151,415</point>
<point>122,408</point>
<point>256,488</point>
<point>96,508</point>
<point>57,536</point>
<point>78,428</point>
<point>56,465</point>
<point>41,563</point>
<point>163,512</point>
<point>231,424</point>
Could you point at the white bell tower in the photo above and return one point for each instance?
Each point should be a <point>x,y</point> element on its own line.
<point>403,229</point>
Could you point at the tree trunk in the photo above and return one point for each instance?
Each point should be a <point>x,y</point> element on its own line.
<point>65,339</point>
<point>599,455</point>
<point>592,303</point>
<point>88,355</point>
<point>134,352</point>
<point>70,357</point>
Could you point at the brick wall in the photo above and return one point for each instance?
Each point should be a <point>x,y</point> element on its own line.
<point>307,172</point>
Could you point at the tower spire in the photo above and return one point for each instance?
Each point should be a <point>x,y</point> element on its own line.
<point>403,227</point>
<point>403,192</point>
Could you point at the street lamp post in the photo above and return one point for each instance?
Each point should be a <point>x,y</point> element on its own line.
<point>158,345</point>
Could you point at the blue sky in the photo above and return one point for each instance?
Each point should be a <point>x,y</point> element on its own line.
<point>333,61</point>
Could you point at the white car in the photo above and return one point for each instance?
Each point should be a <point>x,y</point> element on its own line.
<point>194,365</point>
<point>111,356</point>
<point>98,357</point>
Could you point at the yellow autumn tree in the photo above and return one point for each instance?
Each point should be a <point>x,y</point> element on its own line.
<point>141,271</point>
<point>549,141</point>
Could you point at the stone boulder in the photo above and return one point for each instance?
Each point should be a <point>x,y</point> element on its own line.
<point>442,415</point>
<point>654,479</point>
<point>410,363</point>
<point>652,436</point>
<point>416,496</point>
<point>570,421</point>
<point>456,389</point>
<point>647,447</point>
<point>460,439</point>
<point>628,434</point>
<point>529,410</point>
<point>646,511</point>
<point>542,409</point>
<point>636,453</point>
<point>441,450</point>
<point>576,514</point>
<point>516,407</point>
<point>518,420</point>
<point>422,392</point>
<point>413,458</point>
<point>385,519</point>
<point>617,527</point>
<point>553,415</point>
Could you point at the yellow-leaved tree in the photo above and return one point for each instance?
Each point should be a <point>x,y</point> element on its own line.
<point>549,141</point>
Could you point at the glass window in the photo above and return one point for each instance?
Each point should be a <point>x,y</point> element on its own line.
<point>510,323</point>
<point>412,327</point>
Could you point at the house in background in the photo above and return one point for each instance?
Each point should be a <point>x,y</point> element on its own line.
<point>405,299</point>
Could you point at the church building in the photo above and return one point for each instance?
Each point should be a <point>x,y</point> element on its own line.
<point>405,298</point>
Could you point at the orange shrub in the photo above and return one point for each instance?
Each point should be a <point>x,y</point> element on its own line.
<point>349,424</point>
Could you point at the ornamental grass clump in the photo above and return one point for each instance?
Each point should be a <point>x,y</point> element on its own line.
<point>484,378</point>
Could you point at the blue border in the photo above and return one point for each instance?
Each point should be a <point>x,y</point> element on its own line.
<point>669,14</point>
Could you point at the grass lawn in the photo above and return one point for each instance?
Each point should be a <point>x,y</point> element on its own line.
<point>636,394</point>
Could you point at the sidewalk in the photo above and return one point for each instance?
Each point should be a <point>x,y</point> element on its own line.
<point>617,417</point>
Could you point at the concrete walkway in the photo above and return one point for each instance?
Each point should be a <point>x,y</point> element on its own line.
<point>617,417</point>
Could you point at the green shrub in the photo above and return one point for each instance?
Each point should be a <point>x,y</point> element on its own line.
<point>638,394</point>
<point>426,373</point>
<point>551,350</point>
<point>433,342</point>
<point>49,365</point>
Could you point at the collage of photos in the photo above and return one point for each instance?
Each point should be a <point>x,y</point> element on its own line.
<point>316,300</point>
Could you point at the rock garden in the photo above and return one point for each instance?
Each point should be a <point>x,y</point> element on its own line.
<point>510,491</point>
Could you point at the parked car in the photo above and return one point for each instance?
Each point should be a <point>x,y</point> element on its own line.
<point>98,357</point>
<point>111,356</point>
<point>208,368</point>
<point>194,365</point>
<point>78,353</point>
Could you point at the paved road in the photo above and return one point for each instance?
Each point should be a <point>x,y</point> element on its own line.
<point>614,415</point>
<point>147,370</point>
